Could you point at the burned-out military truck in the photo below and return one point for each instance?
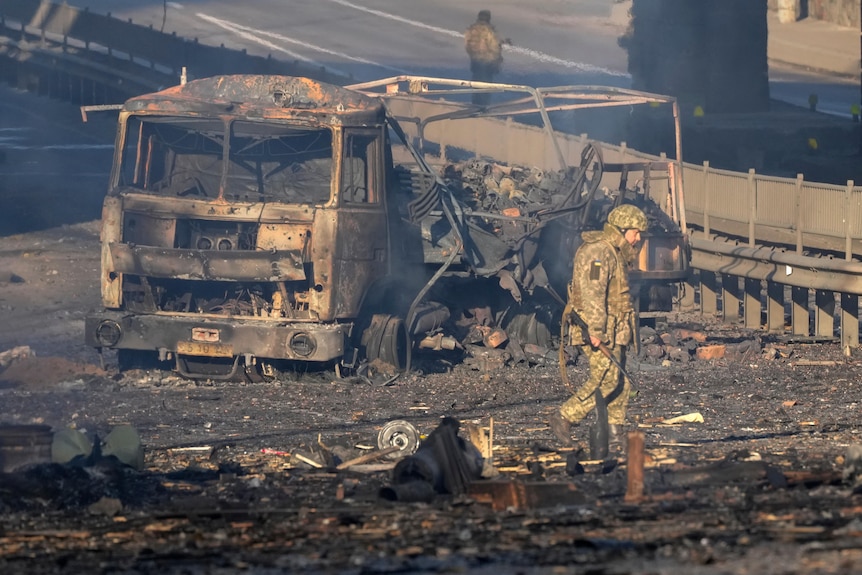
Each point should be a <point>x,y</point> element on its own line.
<point>255,223</point>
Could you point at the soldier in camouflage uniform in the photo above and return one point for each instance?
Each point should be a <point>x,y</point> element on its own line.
<point>599,293</point>
<point>485,49</point>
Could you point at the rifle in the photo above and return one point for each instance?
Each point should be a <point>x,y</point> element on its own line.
<point>574,318</point>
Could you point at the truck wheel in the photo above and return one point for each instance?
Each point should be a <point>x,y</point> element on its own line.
<point>385,339</point>
<point>530,328</point>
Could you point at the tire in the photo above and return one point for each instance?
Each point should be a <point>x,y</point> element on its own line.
<point>530,328</point>
<point>385,339</point>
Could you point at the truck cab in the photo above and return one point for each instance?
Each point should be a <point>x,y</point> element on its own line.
<point>230,229</point>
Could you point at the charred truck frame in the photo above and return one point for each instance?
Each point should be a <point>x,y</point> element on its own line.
<point>253,221</point>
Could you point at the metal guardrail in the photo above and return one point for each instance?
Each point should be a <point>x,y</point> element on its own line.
<point>737,282</point>
<point>764,209</point>
<point>34,22</point>
<point>801,216</point>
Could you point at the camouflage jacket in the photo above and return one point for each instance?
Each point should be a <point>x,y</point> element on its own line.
<point>483,45</point>
<point>599,290</point>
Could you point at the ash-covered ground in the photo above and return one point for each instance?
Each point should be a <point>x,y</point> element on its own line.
<point>763,485</point>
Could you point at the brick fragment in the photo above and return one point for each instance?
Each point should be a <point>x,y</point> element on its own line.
<point>697,336</point>
<point>711,351</point>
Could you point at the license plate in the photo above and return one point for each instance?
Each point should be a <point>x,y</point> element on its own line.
<point>206,349</point>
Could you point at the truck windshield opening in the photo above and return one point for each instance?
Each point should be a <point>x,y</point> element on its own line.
<point>189,157</point>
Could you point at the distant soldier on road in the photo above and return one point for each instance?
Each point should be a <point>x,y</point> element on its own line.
<point>599,294</point>
<point>485,49</point>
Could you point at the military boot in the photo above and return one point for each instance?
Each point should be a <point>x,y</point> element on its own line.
<point>561,428</point>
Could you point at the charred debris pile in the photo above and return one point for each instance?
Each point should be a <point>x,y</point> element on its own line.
<point>522,334</point>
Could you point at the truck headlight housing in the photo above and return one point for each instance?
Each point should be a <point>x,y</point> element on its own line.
<point>108,333</point>
<point>302,344</point>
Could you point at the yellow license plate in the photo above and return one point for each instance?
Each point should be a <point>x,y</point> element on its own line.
<point>207,349</point>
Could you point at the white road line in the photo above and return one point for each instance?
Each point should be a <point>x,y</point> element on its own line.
<point>239,31</point>
<point>401,19</point>
<point>257,36</point>
<point>535,54</point>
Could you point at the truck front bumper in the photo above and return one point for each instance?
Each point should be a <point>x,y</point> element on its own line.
<point>216,337</point>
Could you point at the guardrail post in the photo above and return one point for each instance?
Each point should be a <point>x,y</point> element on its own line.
<point>848,228</point>
<point>752,207</point>
<point>799,219</point>
<point>708,293</point>
<point>799,312</point>
<point>730,299</point>
<point>751,306</point>
<point>849,320</point>
<point>774,307</point>
<point>824,313</point>
<point>706,196</point>
<point>689,287</point>
<point>509,141</point>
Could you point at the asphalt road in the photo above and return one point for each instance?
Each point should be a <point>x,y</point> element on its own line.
<point>835,95</point>
<point>555,42</point>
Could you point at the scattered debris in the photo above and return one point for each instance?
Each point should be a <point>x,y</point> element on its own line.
<point>122,443</point>
<point>108,506</point>
<point>513,494</point>
<point>14,354</point>
<point>726,471</point>
<point>22,445</point>
<point>852,471</point>
<point>307,460</point>
<point>635,467</point>
<point>695,417</point>
<point>444,462</point>
<point>369,457</point>
<point>400,434</point>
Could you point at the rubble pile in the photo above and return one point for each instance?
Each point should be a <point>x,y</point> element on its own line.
<point>691,343</point>
<point>491,187</point>
<point>488,347</point>
<point>517,191</point>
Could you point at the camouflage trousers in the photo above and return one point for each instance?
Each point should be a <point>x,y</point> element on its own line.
<point>606,376</point>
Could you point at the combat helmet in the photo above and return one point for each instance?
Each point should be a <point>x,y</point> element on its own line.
<point>628,217</point>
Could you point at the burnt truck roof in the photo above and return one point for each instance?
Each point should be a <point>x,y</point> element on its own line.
<point>265,97</point>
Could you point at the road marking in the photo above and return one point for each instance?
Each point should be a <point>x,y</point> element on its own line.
<point>534,54</point>
<point>238,30</point>
<point>257,35</point>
